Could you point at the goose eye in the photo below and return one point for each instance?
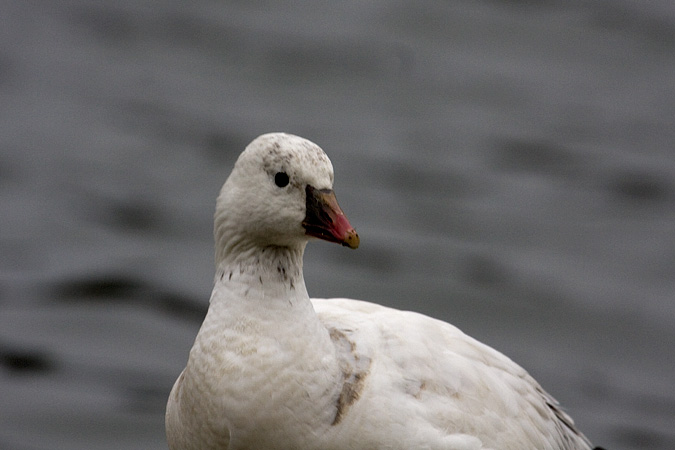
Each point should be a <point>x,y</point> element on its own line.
<point>281,179</point>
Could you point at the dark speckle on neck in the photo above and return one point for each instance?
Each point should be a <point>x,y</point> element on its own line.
<point>268,266</point>
<point>281,270</point>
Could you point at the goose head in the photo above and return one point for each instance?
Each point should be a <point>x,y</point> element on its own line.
<point>279,194</point>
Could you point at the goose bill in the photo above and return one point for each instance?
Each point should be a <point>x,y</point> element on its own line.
<point>325,220</point>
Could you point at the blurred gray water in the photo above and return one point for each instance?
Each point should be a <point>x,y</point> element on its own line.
<point>509,166</point>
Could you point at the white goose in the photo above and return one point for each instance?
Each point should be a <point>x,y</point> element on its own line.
<point>272,369</point>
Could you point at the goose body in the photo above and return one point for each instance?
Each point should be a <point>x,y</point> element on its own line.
<point>272,369</point>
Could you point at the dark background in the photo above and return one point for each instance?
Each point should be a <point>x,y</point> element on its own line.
<point>509,166</point>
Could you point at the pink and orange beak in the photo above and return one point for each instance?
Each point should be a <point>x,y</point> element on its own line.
<point>325,220</point>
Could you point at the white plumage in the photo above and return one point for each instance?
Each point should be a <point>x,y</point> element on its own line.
<point>272,369</point>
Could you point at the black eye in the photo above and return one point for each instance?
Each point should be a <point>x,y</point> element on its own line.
<point>281,179</point>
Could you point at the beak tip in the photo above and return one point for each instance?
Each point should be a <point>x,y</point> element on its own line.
<point>352,240</point>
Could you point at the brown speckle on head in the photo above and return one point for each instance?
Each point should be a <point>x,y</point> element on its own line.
<point>299,158</point>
